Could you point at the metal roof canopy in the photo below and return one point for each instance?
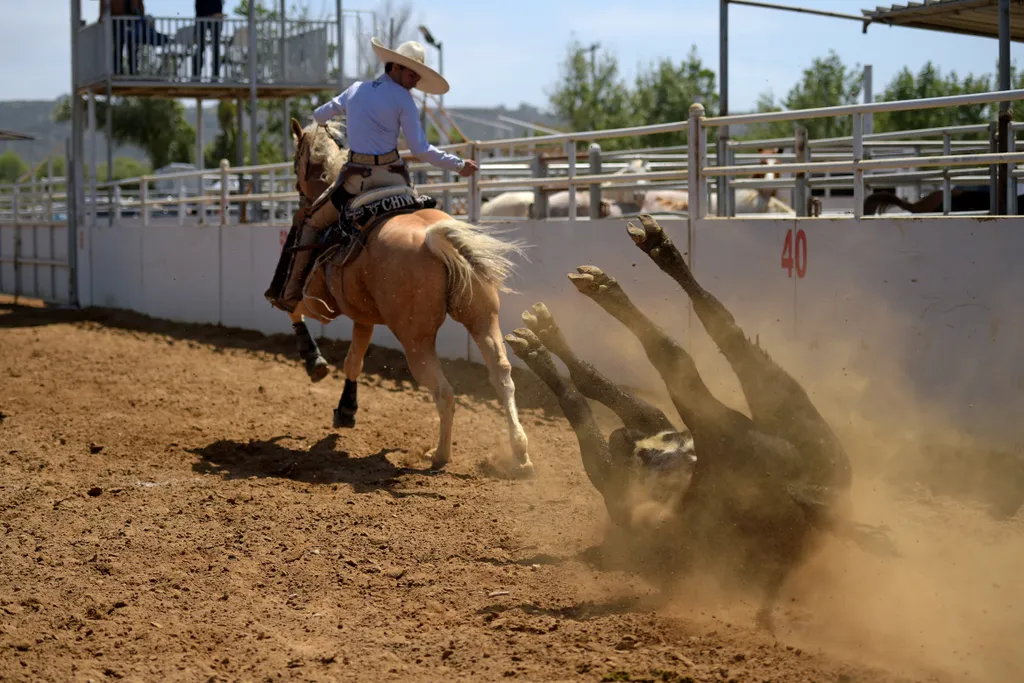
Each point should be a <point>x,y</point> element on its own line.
<point>969,17</point>
<point>11,135</point>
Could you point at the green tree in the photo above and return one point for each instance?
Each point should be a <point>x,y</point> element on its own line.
<point>225,144</point>
<point>826,83</point>
<point>58,168</point>
<point>124,167</point>
<point>664,92</point>
<point>929,82</point>
<point>157,126</point>
<point>11,167</point>
<point>590,95</point>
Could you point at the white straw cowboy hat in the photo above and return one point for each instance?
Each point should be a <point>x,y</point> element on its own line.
<point>412,56</point>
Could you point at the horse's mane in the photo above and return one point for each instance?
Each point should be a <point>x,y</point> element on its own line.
<point>325,146</point>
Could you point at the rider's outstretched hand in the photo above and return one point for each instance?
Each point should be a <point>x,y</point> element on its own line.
<point>469,169</point>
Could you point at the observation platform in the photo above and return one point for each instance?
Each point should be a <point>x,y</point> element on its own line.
<point>208,58</point>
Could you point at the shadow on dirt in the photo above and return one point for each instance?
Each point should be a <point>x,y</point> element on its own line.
<point>467,378</point>
<point>320,464</point>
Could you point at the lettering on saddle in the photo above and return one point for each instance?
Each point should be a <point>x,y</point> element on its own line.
<point>366,213</point>
<point>363,215</point>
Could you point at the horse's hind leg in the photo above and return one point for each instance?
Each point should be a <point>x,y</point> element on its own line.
<point>345,413</point>
<point>635,413</point>
<point>316,365</point>
<point>499,370</point>
<point>426,369</point>
<point>593,448</point>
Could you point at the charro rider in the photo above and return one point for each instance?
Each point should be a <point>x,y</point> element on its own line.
<point>375,111</point>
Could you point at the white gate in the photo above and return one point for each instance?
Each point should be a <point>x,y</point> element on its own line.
<point>34,241</point>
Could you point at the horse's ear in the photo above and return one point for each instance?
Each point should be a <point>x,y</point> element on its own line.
<point>296,131</point>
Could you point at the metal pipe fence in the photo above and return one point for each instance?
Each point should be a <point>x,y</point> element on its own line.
<point>849,164</point>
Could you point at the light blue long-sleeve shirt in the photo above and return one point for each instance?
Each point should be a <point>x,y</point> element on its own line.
<point>374,111</point>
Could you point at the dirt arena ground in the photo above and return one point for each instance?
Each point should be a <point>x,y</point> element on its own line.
<point>176,507</point>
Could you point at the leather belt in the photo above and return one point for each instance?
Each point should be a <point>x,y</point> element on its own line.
<point>374,159</point>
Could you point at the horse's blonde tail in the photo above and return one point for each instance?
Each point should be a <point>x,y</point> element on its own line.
<point>468,253</point>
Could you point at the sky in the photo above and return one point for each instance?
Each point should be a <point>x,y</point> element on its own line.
<point>502,53</point>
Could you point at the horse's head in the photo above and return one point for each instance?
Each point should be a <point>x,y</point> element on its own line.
<point>319,154</point>
<point>768,192</point>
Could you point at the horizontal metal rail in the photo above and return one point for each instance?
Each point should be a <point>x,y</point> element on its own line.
<point>868,108</point>
<point>866,164</point>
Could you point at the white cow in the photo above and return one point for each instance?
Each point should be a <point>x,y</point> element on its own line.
<point>747,201</point>
<point>519,203</point>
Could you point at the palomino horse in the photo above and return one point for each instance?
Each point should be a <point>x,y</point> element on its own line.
<point>413,270</point>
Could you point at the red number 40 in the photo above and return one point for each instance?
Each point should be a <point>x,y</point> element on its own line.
<point>795,254</point>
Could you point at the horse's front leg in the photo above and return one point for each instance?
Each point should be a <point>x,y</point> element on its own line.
<point>345,413</point>
<point>316,365</point>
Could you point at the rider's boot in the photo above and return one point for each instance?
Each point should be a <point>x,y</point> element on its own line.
<point>275,293</point>
<point>300,268</point>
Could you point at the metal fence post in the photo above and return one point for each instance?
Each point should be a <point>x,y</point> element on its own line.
<point>50,222</point>
<point>273,202</point>
<point>224,175</point>
<point>594,157</point>
<point>182,206</point>
<point>16,215</point>
<point>1011,182</point>
<point>800,152</point>
<point>696,157</point>
<point>540,199</point>
<point>858,172</point>
<point>446,175</point>
<point>144,200</point>
<point>1003,201</point>
<point>947,197</point>
<point>570,149</point>
<point>730,190</point>
<point>993,170</point>
<point>721,182</point>
<point>473,199</point>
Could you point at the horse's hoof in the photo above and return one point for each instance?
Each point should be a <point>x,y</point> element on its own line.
<point>317,368</point>
<point>344,420</point>
<point>437,463</point>
<point>524,471</point>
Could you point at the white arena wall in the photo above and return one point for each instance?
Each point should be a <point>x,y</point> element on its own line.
<point>904,318</point>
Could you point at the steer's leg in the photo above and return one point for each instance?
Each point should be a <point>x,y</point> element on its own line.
<point>700,410</point>
<point>778,404</point>
<point>593,448</point>
<point>635,413</point>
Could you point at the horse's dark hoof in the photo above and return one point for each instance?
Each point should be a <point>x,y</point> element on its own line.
<point>344,420</point>
<point>316,368</point>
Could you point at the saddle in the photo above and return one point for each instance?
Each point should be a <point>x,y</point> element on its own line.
<point>343,241</point>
